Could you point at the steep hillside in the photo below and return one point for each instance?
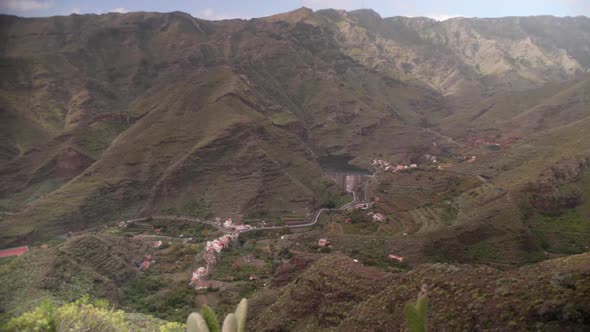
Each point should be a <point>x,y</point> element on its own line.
<point>161,111</point>
<point>519,114</point>
<point>115,116</point>
<point>87,264</point>
<point>550,295</point>
<point>464,56</point>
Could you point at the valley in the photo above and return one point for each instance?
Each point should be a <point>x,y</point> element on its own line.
<point>323,164</point>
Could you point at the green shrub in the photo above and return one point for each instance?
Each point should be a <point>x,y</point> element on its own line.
<point>81,315</point>
<point>42,318</point>
<point>172,327</point>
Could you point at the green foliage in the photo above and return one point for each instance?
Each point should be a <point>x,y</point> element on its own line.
<point>145,294</point>
<point>211,319</point>
<point>42,318</point>
<point>494,147</point>
<point>81,315</point>
<point>417,313</point>
<point>172,327</point>
<point>198,208</point>
<point>330,203</point>
<point>207,321</point>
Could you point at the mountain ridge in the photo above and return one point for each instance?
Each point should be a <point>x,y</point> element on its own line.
<point>115,121</point>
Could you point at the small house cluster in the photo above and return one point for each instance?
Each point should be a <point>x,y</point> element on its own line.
<point>147,261</point>
<point>376,216</point>
<point>322,243</point>
<point>197,279</point>
<point>229,224</point>
<point>218,244</point>
<point>211,248</point>
<point>431,158</point>
<point>386,166</point>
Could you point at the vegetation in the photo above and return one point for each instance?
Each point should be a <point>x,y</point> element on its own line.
<point>416,313</point>
<point>151,295</point>
<point>206,321</point>
<point>81,315</point>
<point>159,124</point>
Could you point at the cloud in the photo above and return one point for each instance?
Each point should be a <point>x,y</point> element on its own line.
<point>73,11</point>
<point>25,5</point>
<point>119,10</point>
<point>441,17</point>
<point>210,14</point>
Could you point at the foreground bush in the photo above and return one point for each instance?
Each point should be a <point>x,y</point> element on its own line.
<point>82,315</point>
<point>98,316</point>
<point>206,321</point>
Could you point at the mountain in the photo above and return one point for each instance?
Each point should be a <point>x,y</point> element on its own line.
<point>139,101</point>
<point>144,117</point>
<point>113,116</point>
<point>481,56</point>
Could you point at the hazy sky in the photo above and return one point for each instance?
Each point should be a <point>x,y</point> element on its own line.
<point>223,9</point>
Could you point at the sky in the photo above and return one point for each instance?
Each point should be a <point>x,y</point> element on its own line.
<point>226,9</point>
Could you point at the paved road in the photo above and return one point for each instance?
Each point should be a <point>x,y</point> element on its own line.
<point>349,203</point>
<point>311,223</point>
<point>224,230</point>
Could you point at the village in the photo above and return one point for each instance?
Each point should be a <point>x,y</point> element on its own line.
<point>214,248</point>
<point>206,261</point>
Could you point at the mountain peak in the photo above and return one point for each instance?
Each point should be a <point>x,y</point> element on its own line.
<point>366,12</point>
<point>293,16</point>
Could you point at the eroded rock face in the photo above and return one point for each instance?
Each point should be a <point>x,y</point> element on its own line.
<point>566,170</point>
<point>545,195</point>
<point>462,55</point>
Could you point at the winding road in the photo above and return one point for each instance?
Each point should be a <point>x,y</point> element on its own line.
<point>225,230</point>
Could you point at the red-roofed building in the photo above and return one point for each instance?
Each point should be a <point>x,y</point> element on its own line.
<point>14,251</point>
<point>144,265</point>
